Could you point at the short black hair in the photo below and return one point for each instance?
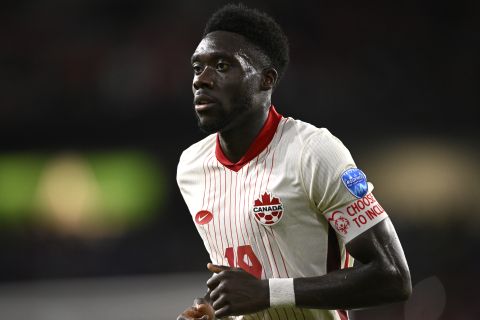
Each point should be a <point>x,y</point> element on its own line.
<point>258,28</point>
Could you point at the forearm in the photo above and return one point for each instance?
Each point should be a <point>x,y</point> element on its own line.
<point>382,277</point>
<point>361,286</point>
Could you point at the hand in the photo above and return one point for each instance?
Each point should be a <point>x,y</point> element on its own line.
<point>201,310</point>
<point>234,291</point>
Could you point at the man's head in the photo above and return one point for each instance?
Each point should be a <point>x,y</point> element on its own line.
<point>237,64</point>
<point>258,28</point>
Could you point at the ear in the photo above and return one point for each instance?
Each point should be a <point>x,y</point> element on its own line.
<point>269,78</point>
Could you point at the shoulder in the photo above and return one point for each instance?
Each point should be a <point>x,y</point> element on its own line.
<point>317,150</point>
<point>193,157</point>
<point>311,138</point>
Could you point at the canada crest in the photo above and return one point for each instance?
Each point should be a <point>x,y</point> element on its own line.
<point>268,210</point>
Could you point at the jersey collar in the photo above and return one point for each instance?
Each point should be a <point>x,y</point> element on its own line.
<point>261,141</point>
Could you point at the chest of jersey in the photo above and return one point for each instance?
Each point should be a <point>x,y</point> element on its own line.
<point>259,217</point>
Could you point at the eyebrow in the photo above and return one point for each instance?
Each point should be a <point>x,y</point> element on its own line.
<point>213,55</point>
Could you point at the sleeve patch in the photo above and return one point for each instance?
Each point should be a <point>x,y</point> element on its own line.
<point>355,181</point>
<point>356,217</point>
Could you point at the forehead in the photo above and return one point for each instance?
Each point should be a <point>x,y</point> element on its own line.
<point>223,43</point>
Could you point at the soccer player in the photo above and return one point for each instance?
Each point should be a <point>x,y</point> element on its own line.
<point>279,203</point>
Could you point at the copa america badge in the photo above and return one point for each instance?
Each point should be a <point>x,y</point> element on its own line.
<point>356,182</point>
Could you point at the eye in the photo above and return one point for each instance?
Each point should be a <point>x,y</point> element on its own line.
<point>222,66</point>
<point>197,69</point>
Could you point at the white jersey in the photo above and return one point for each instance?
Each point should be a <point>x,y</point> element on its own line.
<point>285,210</point>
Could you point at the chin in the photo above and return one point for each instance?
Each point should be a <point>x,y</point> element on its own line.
<point>209,128</point>
<point>211,125</point>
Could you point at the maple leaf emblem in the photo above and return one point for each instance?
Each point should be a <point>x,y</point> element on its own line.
<point>266,200</point>
<point>268,209</point>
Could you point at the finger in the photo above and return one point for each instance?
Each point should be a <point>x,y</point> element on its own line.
<point>215,294</point>
<point>216,268</point>
<point>214,281</point>
<point>223,312</point>
<point>220,302</point>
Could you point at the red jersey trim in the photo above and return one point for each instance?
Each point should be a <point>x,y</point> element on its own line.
<point>261,141</point>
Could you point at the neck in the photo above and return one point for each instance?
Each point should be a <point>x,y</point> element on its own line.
<point>236,141</point>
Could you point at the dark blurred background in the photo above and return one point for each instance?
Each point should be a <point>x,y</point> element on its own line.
<point>96,107</point>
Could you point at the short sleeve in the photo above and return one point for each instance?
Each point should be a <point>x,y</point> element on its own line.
<point>333,185</point>
<point>323,159</point>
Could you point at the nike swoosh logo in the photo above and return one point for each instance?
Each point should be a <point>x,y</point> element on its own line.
<point>201,218</point>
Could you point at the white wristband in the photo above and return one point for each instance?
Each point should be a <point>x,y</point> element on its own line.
<point>282,293</point>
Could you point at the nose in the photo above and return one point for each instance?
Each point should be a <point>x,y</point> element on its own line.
<point>204,79</point>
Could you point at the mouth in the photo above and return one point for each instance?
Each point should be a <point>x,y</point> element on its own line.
<point>203,102</point>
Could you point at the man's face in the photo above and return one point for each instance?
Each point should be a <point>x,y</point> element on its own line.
<point>225,82</point>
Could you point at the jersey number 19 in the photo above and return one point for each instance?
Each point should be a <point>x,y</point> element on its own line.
<point>246,259</point>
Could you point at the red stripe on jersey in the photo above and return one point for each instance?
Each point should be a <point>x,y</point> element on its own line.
<point>222,253</point>
<point>347,258</point>
<point>235,204</point>
<point>203,227</point>
<point>216,215</point>
<point>239,212</point>
<point>272,253</point>
<point>228,212</point>
<point>261,141</point>
<point>264,168</point>
<point>342,314</point>
<point>204,182</point>
<point>281,254</point>
<point>246,240</point>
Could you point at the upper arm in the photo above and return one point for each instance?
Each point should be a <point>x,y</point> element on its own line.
<point>380,249</point>
<point>378,243</point>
